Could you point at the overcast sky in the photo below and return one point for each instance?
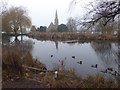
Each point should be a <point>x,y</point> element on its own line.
<point>42,12</point>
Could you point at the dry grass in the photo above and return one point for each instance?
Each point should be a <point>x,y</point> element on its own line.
<point>12,62</point>
<point>68,79</point>
<point>71,36</point>
<point>65,82</point>
<point>96,81</point>
<point>99,81</point>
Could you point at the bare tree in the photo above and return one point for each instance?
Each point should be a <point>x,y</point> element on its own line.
<point>71,24</point>
<point>100,11</point>
<point>15,19</point>
<point>106,10</point>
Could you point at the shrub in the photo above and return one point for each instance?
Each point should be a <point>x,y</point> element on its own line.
<point>11,61</point>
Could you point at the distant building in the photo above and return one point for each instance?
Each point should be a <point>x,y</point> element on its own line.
<point>33,28</point>
<point>42,29</point>
<point>53,26</point>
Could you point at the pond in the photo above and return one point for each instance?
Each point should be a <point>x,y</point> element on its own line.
<point>84,58</point>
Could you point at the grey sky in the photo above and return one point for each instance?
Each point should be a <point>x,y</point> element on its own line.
<point>42,12</point>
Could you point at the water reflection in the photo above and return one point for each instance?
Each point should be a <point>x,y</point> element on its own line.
<point>105,50</point>
<point>109,54</point>
<point>5,40</point>
<point>23,46</point>
<point>56,44</point>
<point>119,61</point>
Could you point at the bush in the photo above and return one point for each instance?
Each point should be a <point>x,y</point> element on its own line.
<point>11,61</point>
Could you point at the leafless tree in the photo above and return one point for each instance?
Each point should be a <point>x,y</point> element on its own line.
<point>100,11</point>
<point>71,24</point>
<point>14,19</point>
<point>3,6</point>
<point>106,10</point>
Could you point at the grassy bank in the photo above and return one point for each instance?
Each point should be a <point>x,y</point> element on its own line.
<point>13,60</point>
<point>63,36</point>
<point>68,79</point>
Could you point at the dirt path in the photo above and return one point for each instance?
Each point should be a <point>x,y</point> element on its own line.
<point>22,83</point>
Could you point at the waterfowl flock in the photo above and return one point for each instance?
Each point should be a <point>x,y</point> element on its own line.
<point>110,70</point>
<point>107,70</point>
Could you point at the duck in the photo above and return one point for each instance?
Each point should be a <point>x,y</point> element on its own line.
<point>73,57</point>
<point>80,62</point>
<point>110,69</point>
<point>115,73</point>
<point>51,56</point>
<point>94,66</point>
<point>104,71</point>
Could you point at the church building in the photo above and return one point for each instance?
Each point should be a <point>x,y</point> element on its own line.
<point>53,26</point>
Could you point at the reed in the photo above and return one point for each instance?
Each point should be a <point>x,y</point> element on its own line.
<point>71,36</point>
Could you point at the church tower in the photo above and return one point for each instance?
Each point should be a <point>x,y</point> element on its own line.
<point>53,26</point>
<point>56,20</point>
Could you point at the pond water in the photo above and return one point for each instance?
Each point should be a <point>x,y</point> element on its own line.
<point>101,53</point>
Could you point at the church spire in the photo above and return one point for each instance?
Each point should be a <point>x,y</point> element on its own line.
<point>56,19</point>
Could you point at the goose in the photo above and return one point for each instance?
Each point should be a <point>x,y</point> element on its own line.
<point>94,66</point>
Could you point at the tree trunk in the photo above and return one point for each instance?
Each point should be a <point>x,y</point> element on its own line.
<point>21,33</point>
<point>16,35</point>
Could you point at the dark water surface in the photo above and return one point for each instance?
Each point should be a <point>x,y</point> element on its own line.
<point>104,54</point>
